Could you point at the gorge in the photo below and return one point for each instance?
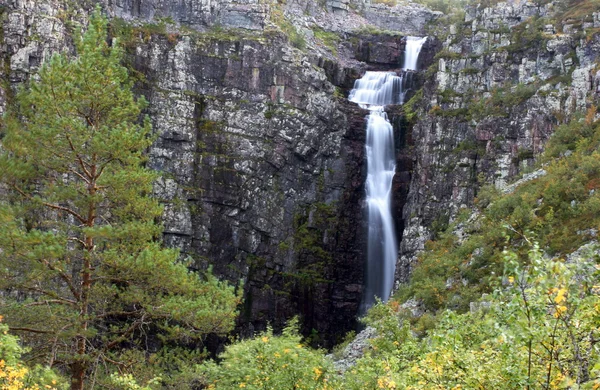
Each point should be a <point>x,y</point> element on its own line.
<point>319,154</point>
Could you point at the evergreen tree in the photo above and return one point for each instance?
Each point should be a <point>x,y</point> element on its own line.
<point>79,252</point>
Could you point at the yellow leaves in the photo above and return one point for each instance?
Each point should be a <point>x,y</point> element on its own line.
<point>560,300</point>
<point>317,372</point>
<point>560,310</point>
<point>265,339</point>
<point>560,296</point>
<point>11,378</point>
<point>242,385</point>
<point>386,383</point>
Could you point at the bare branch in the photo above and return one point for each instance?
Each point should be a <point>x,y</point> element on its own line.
<point>78,240</point>
<point>50,205</point>
<point>49,294</point>
<point>79,175</point>
<point>52,301</point>
<point>31,330</point>
<point>79,158</point>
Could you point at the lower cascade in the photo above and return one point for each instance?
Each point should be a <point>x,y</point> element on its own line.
<point>374,91</point>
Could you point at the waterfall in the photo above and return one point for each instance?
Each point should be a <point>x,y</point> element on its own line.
<point>374,91</point>
<point>411,52</point>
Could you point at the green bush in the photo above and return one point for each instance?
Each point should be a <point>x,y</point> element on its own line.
<point>16,375</point>
<point>270,362</point>
<point>536,330</point>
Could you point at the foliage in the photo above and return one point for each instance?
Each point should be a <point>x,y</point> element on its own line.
<point>128,382</point>
<point>79,240</point>
<point>329,39</point>
<point>389,3</point>
<point>537,330</point>
<point>410,107</point>
<point>270,362</point>
<point>576,11</point>
<point>501,101</point>
<point>444,6</point>
<point>289,29</point>
<point>528,35</point>
<point>15,375</point>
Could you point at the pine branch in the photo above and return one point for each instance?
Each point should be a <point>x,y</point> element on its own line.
<point>52,301</point>
<point>51,205</point>
<point>31,330</point>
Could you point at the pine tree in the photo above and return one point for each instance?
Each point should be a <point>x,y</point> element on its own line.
<point>80,259</point>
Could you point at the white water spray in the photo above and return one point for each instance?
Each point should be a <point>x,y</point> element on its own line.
<point>374,91</point>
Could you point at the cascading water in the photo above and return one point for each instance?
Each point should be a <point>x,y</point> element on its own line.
<point>374,91</point>
<point>411,52</point>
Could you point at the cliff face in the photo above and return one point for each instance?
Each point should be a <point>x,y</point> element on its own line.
<point>260,150</point>
<point>504,79</point>
<point>261,153</point>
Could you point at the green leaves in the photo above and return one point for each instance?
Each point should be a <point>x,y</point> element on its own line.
<point>270,362</point>
<point>537,331</point>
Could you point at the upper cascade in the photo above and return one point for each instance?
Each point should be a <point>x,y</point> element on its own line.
<point>411,52</point>
<point>377,89</point>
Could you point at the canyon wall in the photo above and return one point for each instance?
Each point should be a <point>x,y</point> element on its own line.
<point>504,78</point>
<point>261,154</point>
<point>263,157</point>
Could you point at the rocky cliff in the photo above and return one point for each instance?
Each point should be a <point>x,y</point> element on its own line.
<point>506,76</point>
<point>261,154</point>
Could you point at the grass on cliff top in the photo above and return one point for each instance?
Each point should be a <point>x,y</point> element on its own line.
<point>444,6</point>
<point>295,38</point>
<point>560,210</point>
<point>328,38</point>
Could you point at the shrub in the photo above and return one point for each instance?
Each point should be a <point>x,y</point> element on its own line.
<point>270,362</point>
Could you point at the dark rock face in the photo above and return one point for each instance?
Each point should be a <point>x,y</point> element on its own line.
<point>262,161</point>
<point>263,171</point>
<point>487,111</point>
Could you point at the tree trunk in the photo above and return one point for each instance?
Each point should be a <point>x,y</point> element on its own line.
<point>77,375</point>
